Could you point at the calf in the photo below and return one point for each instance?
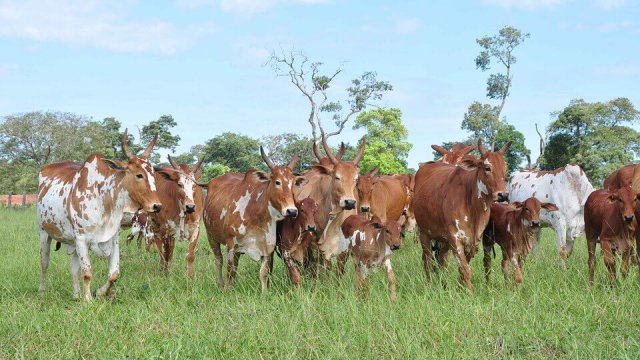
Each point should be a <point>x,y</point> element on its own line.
<point>293,237</point>
<point>370,244</point>
<point>511,226</point>
<point>609,217</point>
<point>140,227</point>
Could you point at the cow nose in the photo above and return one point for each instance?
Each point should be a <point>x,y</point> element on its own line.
<point>364,208</point>
<point>156,207</point>
<point>349,204</point>
<point>311,227</point>
<point>535,224</point>
<point>628,218</point>
<point>291,213</point>
<point>395,247</point>
<point>503,196</point>
<point>190,208</point>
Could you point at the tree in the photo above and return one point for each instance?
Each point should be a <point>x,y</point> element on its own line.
<point>166,140</point>
<point>236,151</point>
<point>211,171</point>
<point>597,136</point>
<point>281,148</point>
<point>500,48</point>
<point>314,86</point>
<point>387,148</point>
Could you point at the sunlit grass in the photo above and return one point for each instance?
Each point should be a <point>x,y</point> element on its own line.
<point>555,314</point>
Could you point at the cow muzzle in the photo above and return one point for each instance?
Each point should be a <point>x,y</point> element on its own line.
<point>364,209</point>
<point>349,204</point>
<point>535,224</point>
<point>189,209</point>
<point>311,228</point>
<point>156,208</point>
<point>628,219</point>
<point>503,196</point>
<point>291,213</point>
<point>395,247</point>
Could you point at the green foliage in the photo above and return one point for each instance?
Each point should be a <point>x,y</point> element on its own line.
<point>597,136</point>
<point>211,171</point>
<point>482,121</point>
<point>236,151</point>
<point>166,140</point>
<point>387,148</point>
<point>281,148</point>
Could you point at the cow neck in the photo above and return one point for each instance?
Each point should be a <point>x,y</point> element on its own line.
<point>518,232</point>
<point>168,198</point>
<point>263,212</point>
<point>477,200</point>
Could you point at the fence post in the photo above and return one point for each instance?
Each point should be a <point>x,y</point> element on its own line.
<point>9,201</point>
<point>24,200</point>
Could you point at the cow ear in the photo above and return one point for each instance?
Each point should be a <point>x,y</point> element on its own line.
<point>613,197</point>
<point>402,219</point>
<point>469,163</point>
<point>301,181</point>
<point>166,175</point>
<point>261,176</point>
<point>516,204</point>
<point>550,207</point>
<point>203,185</point>
<point>114,164</point>
<point>376,222</point>
<point>322,169</point>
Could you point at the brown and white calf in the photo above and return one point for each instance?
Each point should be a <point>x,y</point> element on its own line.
<point>82,205</point>
<point>294,236</point>
<point>511,226</point>
<point>609,218</point>
<point>140,227</point>
<point>242,210</point>
<point>371,243</point>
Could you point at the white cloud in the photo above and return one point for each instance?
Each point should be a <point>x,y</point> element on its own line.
<point>526,4</point>
<point>407,26</point>
<point>246,7</point>
<point>609,4</point>
<point>94,23</point>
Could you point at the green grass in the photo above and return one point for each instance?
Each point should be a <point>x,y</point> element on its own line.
<point>554,315</point>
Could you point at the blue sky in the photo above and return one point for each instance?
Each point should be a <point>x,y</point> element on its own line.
<point>202,60</point>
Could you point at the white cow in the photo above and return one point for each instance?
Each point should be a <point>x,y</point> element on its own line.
<point>568,188</point>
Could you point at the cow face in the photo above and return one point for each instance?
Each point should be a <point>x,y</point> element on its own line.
<point>306,215</point>
<point>364,188</point>
<point>280,189</point>
<point>138,176</point>
<point>530,211</point>
<point>344,177</point>
<point>625,199</point>
<point>186,179</point>
<point>491,172</point>
<point>453,156</point>
<point>391,231</point>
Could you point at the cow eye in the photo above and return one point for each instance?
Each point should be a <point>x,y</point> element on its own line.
<point>278,183</point>
<point>487,168</point>
<point>180,185</point>
<point>526,209</point>
<point>140,176</point>
<point>337,177</point>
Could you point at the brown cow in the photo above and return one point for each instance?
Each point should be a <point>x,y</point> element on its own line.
<point>628,175</point>
<point>180,216</point>
<point>609,218</point>
<point>452,204</point>
<point>453,156</point>
<point>294,236</point>
<point>242,211</point>
<point>511,226</point>
<point>333,189</point>
<point>82,206</point>
<point>370,245</point>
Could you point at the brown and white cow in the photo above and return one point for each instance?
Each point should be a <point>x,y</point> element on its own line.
<point>242,210</point>
<point>294,236</point>
<point>333,189</point>
<point>511,226</point>
<point>609,218</point>
<point>452,206</point>
<point>82,205</point>
<point>371,242</point>
<point>453,156</point>
<point>179,218</point>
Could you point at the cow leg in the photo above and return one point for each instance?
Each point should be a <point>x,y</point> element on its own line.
<point>169,246</point>
<point>264,272</point>
<point>391,278</point>
<point>561,239</point>
<point>537,233</point>
<point>45,253</point>
<point>427,259</point>
<point>463,265</point>
<point>609,260</point>
<point>361,277</point>
<point>114,268</point>
<point>85,267</point>
<point>292,268</point>
<point>191,251</point>
<point>75,274</point>
<point>486,260</point>
<point>517,270</point>
<point>505,265</point>
<point>626,254</point>
<point>215,247</point>
<point>591,249</point>
<point>231,267</point>
<point>340,262</point>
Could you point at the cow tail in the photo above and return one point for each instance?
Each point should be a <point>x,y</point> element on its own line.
<point>493,249</point>
<point>58,244</point>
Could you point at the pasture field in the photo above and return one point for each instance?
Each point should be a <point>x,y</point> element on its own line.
<point>554,315</point>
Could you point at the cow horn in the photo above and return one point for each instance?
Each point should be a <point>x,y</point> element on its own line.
<point>439,149</point>
<point>149,149</point>
<point>328,151</point>
<point>480,148</point>
<point>468,149</point>
<point>173,163</point>
<point>316,151</point>
<point>196,167</point>
<point>294,161</point>
<point>125,146</point>
<point>341,151</point>
<point>266,158</point>
<point>358,157</point>
<point>505,148</point>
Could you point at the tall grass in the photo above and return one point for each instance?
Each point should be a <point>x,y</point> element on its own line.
<point>554,315</point>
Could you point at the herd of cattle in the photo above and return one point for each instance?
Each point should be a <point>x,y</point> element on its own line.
<point>330,211</point>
